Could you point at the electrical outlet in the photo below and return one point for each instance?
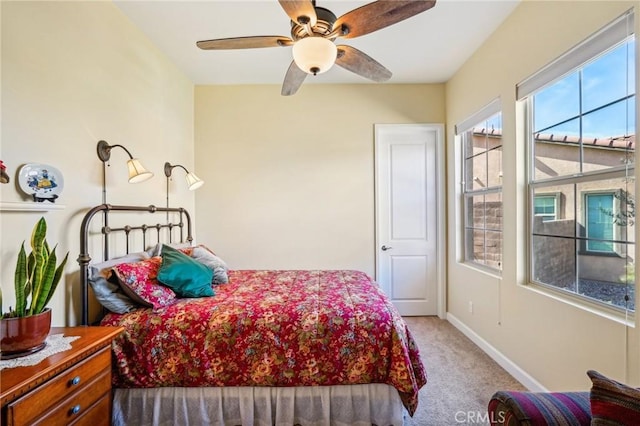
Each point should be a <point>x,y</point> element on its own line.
<point>470,307</point>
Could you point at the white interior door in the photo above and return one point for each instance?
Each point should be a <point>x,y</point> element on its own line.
<point>409,235</point>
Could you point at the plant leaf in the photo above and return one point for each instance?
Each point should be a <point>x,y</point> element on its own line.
<point>56,279</point>
<point>31,264</point>
<point>41,260</point>
<point>20,282</point>
<point>41,256</point>
<point>44,286</point>
<point>38,235</point>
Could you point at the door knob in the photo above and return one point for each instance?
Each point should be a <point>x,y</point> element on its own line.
<point>385,248</point>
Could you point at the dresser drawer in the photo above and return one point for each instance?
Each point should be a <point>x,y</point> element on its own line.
<point>88,380</point>
<point>81,404</point>
<point>97,415</point>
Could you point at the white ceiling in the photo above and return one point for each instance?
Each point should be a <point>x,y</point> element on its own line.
<point>427,48</point>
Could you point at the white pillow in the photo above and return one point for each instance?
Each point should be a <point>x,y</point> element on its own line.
<point>213,262</point>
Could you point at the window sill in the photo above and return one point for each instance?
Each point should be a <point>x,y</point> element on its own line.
<point>495,273</point>
<point>619,315</point>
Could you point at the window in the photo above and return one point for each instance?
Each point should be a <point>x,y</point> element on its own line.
<point>545,206</point>
<point>582,134</point>
<point>481,139</point>
<point>599,209</point>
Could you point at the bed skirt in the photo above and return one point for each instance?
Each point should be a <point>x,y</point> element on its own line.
<point>348,405</point>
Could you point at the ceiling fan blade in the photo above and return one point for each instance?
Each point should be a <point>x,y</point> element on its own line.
<point>244,42</point>
<point>293,80</point>
<point>379,14</point>
<point>362,64</point>
<point>300,11</point>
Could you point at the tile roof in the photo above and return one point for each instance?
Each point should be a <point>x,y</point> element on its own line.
<point>624,142</point>
<point>614,142</point>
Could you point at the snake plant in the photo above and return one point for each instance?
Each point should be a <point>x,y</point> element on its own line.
<point>36,276</point>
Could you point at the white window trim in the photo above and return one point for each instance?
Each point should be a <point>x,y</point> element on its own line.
<point>492,108</point>
<point>484,113</point>
<point>610,36</point>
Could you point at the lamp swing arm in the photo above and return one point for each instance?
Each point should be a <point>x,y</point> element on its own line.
<point>168,167</point>
<point>104,150</point>
<point>137,172</point>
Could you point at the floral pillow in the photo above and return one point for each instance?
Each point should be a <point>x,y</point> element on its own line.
<point>139,281</point>
<point>106,287</point>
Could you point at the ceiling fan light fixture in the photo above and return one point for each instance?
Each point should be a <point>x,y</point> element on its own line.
<point>314,55</point>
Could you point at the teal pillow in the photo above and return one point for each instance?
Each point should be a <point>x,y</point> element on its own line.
<point>185,276</point>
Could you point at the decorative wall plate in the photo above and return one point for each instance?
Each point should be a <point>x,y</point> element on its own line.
<point>41,181</point>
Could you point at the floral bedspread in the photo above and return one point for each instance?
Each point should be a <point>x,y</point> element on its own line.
<point>272,328</point>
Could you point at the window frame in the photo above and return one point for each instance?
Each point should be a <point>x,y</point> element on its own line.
<point>556,202</point>
<point>620,31</point>
<point>589,238</point>
<point>463,129</point>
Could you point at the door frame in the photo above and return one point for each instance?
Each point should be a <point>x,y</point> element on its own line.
<point>441,243</point>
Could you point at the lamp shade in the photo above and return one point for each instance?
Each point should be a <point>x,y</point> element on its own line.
<point>137,172</point>
<point>314,55</point>
<point>193,181</point>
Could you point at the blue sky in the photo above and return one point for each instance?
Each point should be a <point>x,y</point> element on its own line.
<point>609,78</point>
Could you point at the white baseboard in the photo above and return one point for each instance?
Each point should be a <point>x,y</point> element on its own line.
<point>512,368</point>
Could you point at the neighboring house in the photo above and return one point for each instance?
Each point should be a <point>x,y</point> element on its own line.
<point>602,212</point>
<point>483,169</point>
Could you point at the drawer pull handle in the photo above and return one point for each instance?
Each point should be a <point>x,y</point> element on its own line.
<point>74,381</point>
<point>75,409</point>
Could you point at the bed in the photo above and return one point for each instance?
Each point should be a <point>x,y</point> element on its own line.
<point>269,347</point>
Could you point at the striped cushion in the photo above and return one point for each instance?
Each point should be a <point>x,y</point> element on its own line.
<point>540,409</point>
<point>613,403</point>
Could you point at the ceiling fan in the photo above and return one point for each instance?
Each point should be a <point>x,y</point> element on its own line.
<point>314,31</point>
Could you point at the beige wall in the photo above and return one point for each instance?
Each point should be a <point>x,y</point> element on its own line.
<point>551,340</point>
<point>290,180</point>
<point>74,73</point>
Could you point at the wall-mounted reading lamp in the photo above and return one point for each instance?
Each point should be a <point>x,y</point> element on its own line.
<point>193,181</point>
<point>137,172</point>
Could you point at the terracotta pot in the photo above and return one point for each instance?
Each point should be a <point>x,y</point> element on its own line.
<point>22,336</point>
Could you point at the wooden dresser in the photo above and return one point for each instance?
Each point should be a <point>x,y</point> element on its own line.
<point>68,388</point>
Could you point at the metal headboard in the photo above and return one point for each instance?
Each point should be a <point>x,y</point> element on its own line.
<point>84,258</point>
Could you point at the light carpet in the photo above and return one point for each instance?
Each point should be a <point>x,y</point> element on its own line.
<point>461,378</point>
